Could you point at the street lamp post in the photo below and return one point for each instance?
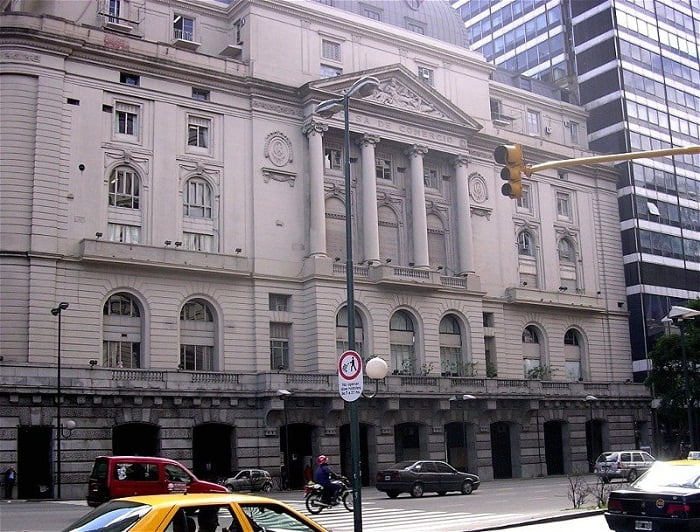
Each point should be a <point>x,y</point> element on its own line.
<point>59,426</point>
<point>362,87</point>
<point>284,395</point>
<point>679,316</point>
<point>590,399</point>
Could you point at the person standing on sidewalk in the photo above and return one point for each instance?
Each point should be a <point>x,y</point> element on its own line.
<point>10,480</point>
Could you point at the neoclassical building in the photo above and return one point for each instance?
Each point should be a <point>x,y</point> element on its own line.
<point>165,174</point>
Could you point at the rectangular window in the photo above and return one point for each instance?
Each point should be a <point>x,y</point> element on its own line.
<point>114,9</point>
<point>372,13</point>
<point>196,357</point>
<point>279,346</point>
<point>279,302</point>
<point>198,131</point>
<point>328,71</point>
<point>126,119</point>
<point>573,132</point>
<point>183,28</point>
<point>200,94</point>
<point>129,79</point>
<point>197,241</point>
<point>415,27</point>
<point>426,75</point>
<point>330,50</point>
<point>332,159</point>
<point>126,234</point>
<point>524,202</point>
<point>533,122</point>
<point>563,206</point>
<point>238,29</point>
<point>403,359</point>
<point>121,354</point>
<point>383,168</point>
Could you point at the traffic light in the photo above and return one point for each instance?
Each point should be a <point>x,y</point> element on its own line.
<point>511,155</point>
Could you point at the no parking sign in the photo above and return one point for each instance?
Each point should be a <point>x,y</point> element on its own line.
<point>350,382</point>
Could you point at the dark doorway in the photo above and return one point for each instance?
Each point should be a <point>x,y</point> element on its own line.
<point>500,450</point>
<point>34,463</point>
<point>594,442</point>
<point>554,447</point>
<point>136,439</point>
<point>456,444</point>
<point>212,450</point>
<point>300,452</point>
<point>407,441</point>
<point>346,454</point>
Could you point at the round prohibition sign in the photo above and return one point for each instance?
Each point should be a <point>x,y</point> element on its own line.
<point>349,365</point>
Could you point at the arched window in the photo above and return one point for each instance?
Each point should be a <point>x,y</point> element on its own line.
<point>341,332</point>
<point>124,188</point>
<point>197,198</point>
<point>197,336</point>
<point>525,244</point>
<point>533,353</point>
<point>566,250</point>
<point>452,356</point>
<point>573,355</point>
<point>402,343</point>
<point>121,332</point>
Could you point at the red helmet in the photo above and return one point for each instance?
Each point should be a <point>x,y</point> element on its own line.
<point>322,459</point>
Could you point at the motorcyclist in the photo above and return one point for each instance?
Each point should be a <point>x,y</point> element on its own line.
<point>327,478</point>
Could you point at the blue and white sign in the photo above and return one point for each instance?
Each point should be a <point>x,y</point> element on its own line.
<point>350,382</point>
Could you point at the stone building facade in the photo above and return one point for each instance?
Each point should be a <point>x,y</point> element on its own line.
<point>164,173</point>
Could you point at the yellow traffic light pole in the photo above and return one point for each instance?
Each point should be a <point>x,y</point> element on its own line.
<point>530,169</point>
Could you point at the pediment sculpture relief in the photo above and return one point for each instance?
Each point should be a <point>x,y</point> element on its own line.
<point>395,94</point>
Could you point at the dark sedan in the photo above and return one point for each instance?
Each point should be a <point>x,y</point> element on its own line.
<point>420,476</point>
<point>665,498</point>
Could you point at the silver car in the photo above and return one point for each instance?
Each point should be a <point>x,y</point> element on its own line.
<point>627,465</point>
<point>248,480</point>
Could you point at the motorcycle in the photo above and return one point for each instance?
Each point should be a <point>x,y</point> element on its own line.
<point>314,497</point>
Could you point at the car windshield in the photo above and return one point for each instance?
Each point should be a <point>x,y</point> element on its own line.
<point>115,516</point>
<point>664,475</point>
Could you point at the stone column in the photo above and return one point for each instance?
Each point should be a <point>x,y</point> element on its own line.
<point>465,243</point>
<point>370,220</point>
<point>317,201</point>
<point>419,219</point>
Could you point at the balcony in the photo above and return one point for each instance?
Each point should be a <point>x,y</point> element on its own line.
<point>162,257</point>
<point>41,380</point>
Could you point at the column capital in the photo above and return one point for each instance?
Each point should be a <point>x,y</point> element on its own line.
<point>463,159</point>
<point>416,150</point>
<point>314,126</point>
<point>369,139</point>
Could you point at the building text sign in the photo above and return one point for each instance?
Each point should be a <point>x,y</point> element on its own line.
<point>350,381</point>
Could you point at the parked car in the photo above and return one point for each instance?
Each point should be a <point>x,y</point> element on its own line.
<point>248,480</point>
<point>420,476</point>
<point>665,498</point>
<point>123,476</point>
<point>627,465</point>
<point>693,455</point>
<point>184,512</point>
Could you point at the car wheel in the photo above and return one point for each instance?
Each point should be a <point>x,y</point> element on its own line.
<point>632,475</point>
<point>441,493</point>
<point>267,487</point>
<point>467,487</point>
<point>228,487</point>
<point>392,494</point>
<point>417,490</point>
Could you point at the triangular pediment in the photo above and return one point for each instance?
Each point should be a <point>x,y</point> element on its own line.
<point>401,90</point>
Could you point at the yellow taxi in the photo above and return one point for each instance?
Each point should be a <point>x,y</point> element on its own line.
<point>194,512</point>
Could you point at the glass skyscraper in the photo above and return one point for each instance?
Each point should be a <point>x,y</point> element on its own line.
<point>634,65</point>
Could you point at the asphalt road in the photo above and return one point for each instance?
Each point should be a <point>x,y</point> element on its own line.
<point>495,505</point>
